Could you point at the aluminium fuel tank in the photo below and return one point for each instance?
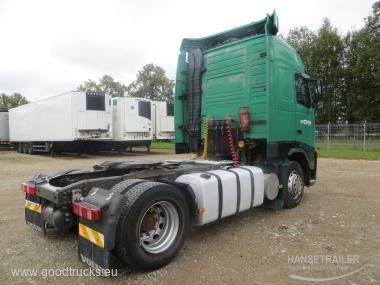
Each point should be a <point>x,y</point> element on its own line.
<point>225,192</point>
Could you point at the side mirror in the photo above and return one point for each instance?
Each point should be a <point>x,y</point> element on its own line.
<point>316,93</point>
<point>319,95</point>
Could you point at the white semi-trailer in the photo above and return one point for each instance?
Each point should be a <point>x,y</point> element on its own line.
<point>163,120</point>
<point>73,122</point>
<point>4,127</point>
<point>131,124</point>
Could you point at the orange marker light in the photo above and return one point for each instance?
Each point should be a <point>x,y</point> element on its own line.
<point>241,144</point>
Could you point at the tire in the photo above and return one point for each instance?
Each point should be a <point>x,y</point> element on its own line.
<point>124,186</point>
<point>30,148</point>
<point>295,186</point>
<point>25,148</point>
<point>139,243</point>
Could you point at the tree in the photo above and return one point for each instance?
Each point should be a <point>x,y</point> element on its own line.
<point>322,54</point>
<point>305,42</point>
<point>349,65</point>
<point>363,70</point>
<point>152,83</point>
<point>106,84</point>
<point>329,67</point>
<point>12,101</point>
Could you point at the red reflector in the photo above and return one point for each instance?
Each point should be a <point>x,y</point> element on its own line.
<point>86,211</point>
<point>244,119</point>
<point>29,189</point>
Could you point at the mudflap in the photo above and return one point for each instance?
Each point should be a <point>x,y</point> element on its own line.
<point>97,238</point>
<point>278,203</point>
<point>33,213</point>
<point>100,259</point>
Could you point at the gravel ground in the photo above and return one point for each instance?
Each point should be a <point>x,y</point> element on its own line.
<point>338,218</point>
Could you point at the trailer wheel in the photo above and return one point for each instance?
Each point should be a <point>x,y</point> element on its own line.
<point>30,148</point>
<point>19,148</point>
<point>25,148</point>
<point>295,185</point>
<point>152,227</point>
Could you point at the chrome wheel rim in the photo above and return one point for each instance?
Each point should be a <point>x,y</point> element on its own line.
<point>295,184</point>
<point>159,227</point>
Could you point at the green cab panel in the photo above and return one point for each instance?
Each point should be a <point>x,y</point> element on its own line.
<point>246,67</point>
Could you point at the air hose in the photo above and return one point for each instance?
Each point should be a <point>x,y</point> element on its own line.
<point>231,143</point>
<point>205,144</point>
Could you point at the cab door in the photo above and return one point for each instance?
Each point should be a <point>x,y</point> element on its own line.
<point>304,124</point>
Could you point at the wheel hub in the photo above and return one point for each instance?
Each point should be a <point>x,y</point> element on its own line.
<point>159,227</point>
<point>295,184</point>
<point>149,222</point>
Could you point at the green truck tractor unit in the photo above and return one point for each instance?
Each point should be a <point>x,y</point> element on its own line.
<point>249,83</point>
<point>245,104</point>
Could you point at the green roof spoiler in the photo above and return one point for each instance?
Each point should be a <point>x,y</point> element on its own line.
<point>268,26</point>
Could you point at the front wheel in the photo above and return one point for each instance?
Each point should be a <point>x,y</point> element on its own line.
<point>295,185</point>
<point>153,225</point>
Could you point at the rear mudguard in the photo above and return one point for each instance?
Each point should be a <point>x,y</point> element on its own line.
<point>97,238</point>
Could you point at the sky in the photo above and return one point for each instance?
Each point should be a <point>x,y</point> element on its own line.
<point>49,46</point>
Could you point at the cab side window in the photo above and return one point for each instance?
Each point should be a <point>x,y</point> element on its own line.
<point>302,91</point>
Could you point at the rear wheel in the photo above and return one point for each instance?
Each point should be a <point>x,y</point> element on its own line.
<point>295,185</point>
<point>152,226</point>
<point>159,227</point>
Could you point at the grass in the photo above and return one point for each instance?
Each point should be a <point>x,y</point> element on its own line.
<point>336,153</point>
<point>356,154</point>
<point>162,145</point>
<point>344,144</point>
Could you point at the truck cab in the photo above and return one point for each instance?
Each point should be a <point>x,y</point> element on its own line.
<point>251,81</point>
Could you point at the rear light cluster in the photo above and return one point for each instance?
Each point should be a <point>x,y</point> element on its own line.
<point>28,189</point>
<point>86,211</point>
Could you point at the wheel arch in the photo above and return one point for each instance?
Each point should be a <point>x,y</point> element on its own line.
<point>299,155</point>
<point>189,196</point>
